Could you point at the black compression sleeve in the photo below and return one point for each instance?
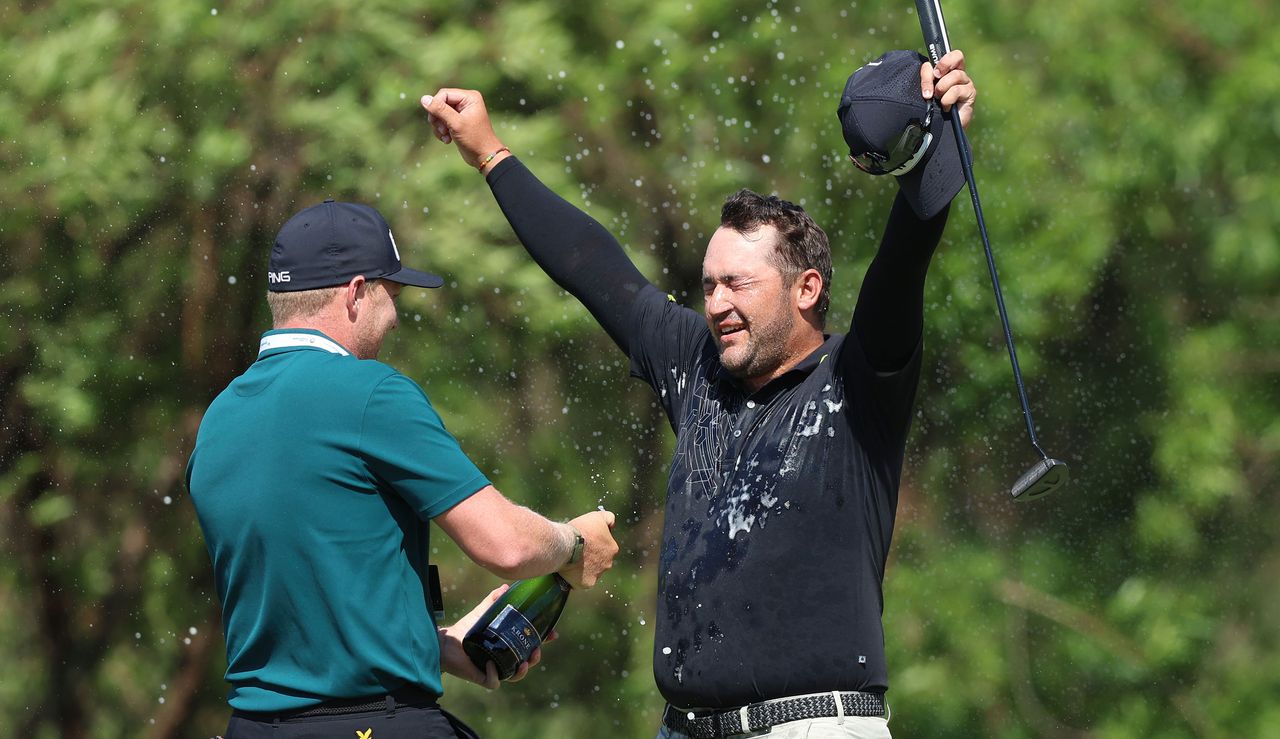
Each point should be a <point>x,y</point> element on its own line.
<point>889,316</point>
<point>570,246</point>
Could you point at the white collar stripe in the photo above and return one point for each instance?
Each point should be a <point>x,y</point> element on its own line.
<point>284,341</point>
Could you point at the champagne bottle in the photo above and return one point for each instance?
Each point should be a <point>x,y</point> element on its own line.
<point>517,624</point>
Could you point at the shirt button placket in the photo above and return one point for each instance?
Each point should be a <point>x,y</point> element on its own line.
<point>745,418</point>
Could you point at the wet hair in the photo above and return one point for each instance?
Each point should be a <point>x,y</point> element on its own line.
<point>801,244</point>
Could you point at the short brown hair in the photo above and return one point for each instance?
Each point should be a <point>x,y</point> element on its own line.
<point>286,306</point>
<point>802,244</point>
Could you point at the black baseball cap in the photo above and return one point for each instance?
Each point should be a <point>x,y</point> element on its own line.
<point>330,243</point>
<point>880,100</point>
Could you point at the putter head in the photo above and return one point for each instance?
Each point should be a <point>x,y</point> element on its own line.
<point>1043,478</point>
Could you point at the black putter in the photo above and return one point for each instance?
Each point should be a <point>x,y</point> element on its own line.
<point>1048,474</point>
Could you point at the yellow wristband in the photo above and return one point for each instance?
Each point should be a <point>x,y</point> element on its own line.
<point>490,158</point>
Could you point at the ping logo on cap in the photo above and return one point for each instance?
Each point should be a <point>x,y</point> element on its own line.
<point>330,244</point>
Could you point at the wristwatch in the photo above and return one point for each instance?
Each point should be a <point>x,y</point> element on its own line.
<point>578,544</point>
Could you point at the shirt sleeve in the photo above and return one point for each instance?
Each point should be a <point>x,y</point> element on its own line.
<point>666,341</point>
<point>889,316</point>
<point>409,450</point>
<point>570,246</point>
<point>882,353</point>
<point>884,399</point>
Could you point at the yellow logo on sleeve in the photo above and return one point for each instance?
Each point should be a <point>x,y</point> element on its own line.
<point>366,734</point>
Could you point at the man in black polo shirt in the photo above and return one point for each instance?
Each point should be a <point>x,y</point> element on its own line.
<point>789,441</point>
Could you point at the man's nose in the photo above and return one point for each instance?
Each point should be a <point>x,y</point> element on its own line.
<point>717,300</point>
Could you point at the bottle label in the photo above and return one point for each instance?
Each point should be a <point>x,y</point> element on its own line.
<point>516,631</point>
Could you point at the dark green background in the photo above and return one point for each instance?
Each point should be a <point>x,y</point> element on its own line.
<point>1126,155</point>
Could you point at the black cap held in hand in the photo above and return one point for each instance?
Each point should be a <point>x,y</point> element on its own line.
<point>328,244</point>
<point>880,101</point>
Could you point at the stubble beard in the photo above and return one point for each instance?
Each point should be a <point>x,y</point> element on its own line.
<point>368,348</point>
<point>764,351</point>
<point>368,339</point>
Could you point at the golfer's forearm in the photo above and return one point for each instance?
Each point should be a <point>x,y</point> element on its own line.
<point>570,246</point>
<point>889,316</point>
<point>505,538</point>
<point>540,546</point>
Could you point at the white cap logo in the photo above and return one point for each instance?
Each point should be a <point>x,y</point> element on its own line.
<point>393,245</point>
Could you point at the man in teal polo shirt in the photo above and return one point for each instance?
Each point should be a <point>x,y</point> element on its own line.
<point>314,476</point>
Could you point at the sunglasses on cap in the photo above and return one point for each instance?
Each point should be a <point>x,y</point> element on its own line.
<point>905,153</point>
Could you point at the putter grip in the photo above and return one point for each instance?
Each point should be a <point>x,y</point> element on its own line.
<point>933,28</point>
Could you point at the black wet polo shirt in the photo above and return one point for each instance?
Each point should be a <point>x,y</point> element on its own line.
<point>779,513</point>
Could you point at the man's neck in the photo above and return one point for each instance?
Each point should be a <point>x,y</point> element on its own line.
<point>802,348</point>
<point>338,331</point>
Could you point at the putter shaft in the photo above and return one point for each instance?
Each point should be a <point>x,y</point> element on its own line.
<point>966,161</point>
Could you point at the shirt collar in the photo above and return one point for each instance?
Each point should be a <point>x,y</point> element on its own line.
<point>801,370</point>
<point>285,339</point>
<point>816,357</point>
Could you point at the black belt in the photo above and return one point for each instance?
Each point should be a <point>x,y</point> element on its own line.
<point>759,716</point>
<point>404,697</point>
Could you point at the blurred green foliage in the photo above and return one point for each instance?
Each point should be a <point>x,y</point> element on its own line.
<point>150,150</point>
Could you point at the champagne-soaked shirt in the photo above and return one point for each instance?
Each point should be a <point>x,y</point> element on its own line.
<point>780,504</point>
<point>314,475</point>
<point>779,512</point>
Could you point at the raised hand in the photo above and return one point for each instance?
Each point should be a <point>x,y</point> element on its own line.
<point>950,84</point>
<point>460,117</point>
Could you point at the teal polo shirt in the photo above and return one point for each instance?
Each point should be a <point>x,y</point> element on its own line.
<point>314,476</point>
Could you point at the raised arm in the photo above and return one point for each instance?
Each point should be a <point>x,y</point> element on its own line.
<point>889,316</point>
<point>570,246</point>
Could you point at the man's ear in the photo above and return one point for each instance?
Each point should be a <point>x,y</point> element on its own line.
<point>353,293</point>
<point>808,289</point>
